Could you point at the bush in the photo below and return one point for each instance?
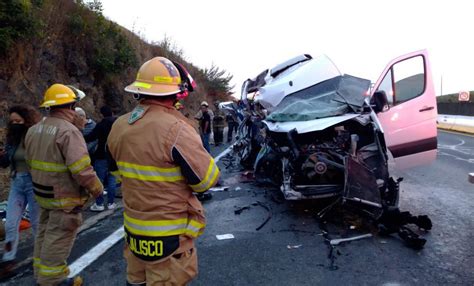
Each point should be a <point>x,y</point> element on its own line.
<point>76,24</point>
<point>110,51</point>
<point>218,81</point>
<point>17,21</point>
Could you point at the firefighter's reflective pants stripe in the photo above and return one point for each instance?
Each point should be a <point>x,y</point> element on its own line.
<point>56,234</point>
<point>178,269</point>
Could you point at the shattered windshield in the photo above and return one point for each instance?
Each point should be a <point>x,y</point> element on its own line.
<point>333,97</point>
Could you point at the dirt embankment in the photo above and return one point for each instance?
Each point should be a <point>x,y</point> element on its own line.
<point>72,44</point>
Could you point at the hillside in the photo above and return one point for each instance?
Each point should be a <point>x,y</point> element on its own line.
<point>66,41</point>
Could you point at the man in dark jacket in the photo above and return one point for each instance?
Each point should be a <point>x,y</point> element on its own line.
<point>102,158</point>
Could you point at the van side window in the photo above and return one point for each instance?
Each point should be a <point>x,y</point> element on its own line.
<point>387,86</point>
<point>404,81</point>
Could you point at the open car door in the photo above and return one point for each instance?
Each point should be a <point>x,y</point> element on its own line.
<point>409,122</point>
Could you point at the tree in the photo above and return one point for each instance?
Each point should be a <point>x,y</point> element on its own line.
<point>218,80</point>
<point>96,6</point>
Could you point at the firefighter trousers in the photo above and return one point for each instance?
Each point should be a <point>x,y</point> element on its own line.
<point>57,231</point>
<point>179,269</point>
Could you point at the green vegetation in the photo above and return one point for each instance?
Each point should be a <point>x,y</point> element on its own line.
<point>215,80</point>
<point>93,47</point>
<point>218,81</point>
<point>111,51</point>
<point>17,21</point>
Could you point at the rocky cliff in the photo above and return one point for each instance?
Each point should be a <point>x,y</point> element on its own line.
<point>64,41</point>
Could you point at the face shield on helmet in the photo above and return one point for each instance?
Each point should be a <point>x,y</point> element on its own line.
<point>59,94</point>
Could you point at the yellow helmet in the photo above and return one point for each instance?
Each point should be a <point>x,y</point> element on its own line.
<point>59,94</point>
<point>157,77</point>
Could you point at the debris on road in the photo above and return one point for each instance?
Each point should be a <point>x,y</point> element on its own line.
<point>395,221</point>
<point>269,214</point>
<point>219,189</point>
<point>239,210</point>
<point>225,236</point>
<point>293,246</point>
<point>471,178</point>
<point>337,241</point>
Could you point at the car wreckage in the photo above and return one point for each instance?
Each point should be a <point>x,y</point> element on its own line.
<point>314,133</point>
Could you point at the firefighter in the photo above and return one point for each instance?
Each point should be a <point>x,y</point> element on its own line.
<point>63,179</point>
<point>161,162</point>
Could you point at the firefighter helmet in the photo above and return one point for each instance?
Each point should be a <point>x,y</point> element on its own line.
<point>157,77</point>
<point>59,94</point>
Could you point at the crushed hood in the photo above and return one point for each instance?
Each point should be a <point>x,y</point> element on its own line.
<point>332,97</point>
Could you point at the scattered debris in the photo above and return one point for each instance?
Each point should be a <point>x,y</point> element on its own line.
<point>225,236</point>
<point>294,246</point>
<point>352,227</point>
<point>269,213</point>
<point>219,189</point>
<point>248,175</point>
<point>229,161</point>
<point>238,188</point>
<point>471,178</point>
<point>337,241</point>
<point>239,210</point>
<point>395,221</point>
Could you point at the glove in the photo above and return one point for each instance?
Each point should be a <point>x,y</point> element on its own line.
<point>96,189</point>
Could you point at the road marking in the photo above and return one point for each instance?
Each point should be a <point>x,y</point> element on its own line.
<point>90,256</point>
<point>470,160</point>
<point>223,153</point>
<point>85,260</point>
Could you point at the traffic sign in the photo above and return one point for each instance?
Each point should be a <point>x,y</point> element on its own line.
<point>463,96</point>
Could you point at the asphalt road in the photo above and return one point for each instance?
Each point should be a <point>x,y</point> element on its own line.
<point>291,250</point>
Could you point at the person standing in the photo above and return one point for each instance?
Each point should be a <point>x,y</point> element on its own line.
<point>205,126</point>
<point>63,179</point>
<point>218,124</point>
<point>88,127</point>
<point>161,162</point>
<point>232,124</point>
<point>21,194</point>
<point>102,160</point>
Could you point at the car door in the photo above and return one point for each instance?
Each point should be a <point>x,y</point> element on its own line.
<point>409,123</point>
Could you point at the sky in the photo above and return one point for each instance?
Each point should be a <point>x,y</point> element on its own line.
<point>246,37</point>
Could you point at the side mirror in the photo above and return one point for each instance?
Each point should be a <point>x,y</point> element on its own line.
<point>380,101</point>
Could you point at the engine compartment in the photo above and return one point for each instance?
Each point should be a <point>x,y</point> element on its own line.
<point>326,163</point>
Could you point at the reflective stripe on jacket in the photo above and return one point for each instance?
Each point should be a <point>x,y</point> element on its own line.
<point>59,162</point>
<point>161,161</point>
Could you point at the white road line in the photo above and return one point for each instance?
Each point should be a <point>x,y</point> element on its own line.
<point>223,153</point>
<point>90,256</point>
<point>85,260</point>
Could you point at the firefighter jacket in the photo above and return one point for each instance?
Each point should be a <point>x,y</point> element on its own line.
<point>161,161</point>
<point>59,163</point>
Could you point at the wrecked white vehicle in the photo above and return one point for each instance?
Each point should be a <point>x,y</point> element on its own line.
<point>327,134</point>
